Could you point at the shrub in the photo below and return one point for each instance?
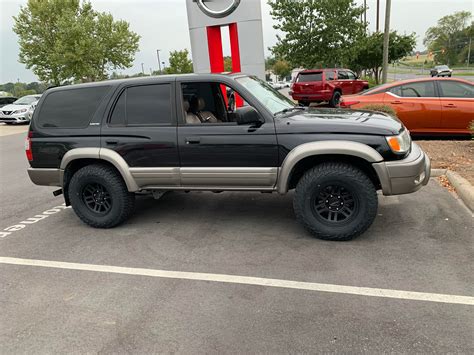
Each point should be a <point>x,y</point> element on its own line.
<point>380,108</point>
<point>471,128</point>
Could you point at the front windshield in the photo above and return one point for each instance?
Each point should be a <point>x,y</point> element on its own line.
<point>269,97</point>
<point>26,100</point>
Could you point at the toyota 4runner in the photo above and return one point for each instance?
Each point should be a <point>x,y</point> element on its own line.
<point>103,142</point>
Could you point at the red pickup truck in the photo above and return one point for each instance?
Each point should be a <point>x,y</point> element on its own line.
<point>317,85</point>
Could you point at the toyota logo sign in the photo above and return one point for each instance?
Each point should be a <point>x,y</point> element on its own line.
<point>228,7</point>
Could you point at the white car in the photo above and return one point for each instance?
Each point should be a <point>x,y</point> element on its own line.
<point>284,84</point>
<point>19,111</point>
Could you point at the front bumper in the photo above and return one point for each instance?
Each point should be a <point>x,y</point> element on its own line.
<point>404,176</point>
<point>14,118</point>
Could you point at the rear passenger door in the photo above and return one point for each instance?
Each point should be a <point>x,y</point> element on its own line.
<point>141,128</point>
<point>457,105</point>
<point>343,82</point>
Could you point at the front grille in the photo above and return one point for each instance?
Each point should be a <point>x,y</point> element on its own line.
<point>7,112</point>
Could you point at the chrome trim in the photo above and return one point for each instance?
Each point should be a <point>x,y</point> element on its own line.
<point>302,151</point>
<point>217,14</point>
<point>229,177</point>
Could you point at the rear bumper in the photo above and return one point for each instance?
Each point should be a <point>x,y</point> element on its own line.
<point>45,177</point>
<point>320,96</point>
<point>406,175</point>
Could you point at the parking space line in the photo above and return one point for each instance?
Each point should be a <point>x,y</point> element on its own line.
<point>247,280</point>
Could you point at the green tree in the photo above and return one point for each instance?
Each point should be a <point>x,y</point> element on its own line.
<point>316,33</point>
<point>281,68</point>
<point>66,40</point>
<point>368,54</point>
<point>228,64</point>
<point>269,62</point>
<point>449,38</point>
<point>179,63</point>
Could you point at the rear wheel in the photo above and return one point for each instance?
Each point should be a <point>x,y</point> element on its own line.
<point>335,201</point>
<point>335,99</point>
<point>303,103</point>
<point>100,197</point>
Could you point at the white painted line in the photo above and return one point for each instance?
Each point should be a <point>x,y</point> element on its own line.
<point>246,280</point>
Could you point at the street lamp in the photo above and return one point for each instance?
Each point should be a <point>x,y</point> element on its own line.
<point>143,69</point>
<point>158,55</point>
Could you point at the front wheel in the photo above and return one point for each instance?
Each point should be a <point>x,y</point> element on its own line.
<point>303,103</point>
<point>100,197</point>
<point>335,99</point>
<point>335,201</point>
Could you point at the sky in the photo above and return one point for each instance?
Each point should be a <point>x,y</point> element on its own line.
<point>162,24</point>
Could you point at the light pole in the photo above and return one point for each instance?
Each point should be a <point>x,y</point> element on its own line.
<point>143,69</point>
<point>158,55</point>
<point>377,20</point>
<point>386,37</point>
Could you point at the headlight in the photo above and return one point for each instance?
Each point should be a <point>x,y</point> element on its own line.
<point>21,111</point>
<point>400,144</point>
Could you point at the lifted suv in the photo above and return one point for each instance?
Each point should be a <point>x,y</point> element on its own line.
<point>318,85</point>
<point>103,142</point>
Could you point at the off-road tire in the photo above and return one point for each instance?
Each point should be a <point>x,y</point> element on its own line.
<point>315,181</point>
<point>122,201</point>
<point>335,99</point>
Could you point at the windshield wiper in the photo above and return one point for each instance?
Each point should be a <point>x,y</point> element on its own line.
<point>289,109</point>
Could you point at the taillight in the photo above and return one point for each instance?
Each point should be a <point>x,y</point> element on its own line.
<point>29,153</point>
<point>348,103</point>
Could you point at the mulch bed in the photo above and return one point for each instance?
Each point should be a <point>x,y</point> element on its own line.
<point>453,155</point>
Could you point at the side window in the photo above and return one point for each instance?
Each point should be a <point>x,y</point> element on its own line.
<point>71,108</point>
<point>341,75</point>
<point>210,103</point>
<point>456,89</point>
<point>351,75</point>
<point>143,106</point>
<point>397,90</point>
<point>420,89</point>
<point>330,75</point>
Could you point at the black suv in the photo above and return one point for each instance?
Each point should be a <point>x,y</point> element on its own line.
<point>103,142</point>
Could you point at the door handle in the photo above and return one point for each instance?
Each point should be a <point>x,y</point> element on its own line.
<point>193,140</point>
<point>450,106</point>
<point>111,141</point>
<point>396,102</point>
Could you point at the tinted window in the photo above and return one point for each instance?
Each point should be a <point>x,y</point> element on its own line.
<point>421,89</point>
<point>71,108</point>
<point>143,105</point>
<point>342,75</point>
<point>330,75</point>
<point>455,89</point>
<point>397,90</point>
<point>118,115</point>
<point>351,75</point>
<point>303,78</point>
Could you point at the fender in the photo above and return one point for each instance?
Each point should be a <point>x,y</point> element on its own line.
<point>100,154</point>
<point>335,147</point>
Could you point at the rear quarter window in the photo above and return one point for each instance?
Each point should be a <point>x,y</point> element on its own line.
<point>303,78</point>
<point>72,108</point>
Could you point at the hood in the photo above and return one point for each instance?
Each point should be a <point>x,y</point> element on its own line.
<point>12,107</point>
<point>339,121</point>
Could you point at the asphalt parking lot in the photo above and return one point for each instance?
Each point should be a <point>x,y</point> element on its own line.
<point>195,273</point>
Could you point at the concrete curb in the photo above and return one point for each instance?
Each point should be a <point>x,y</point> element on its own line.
<point>438,172</point>
<point>464,189</point>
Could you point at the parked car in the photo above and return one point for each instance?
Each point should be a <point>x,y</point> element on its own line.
<point>277,85</point>
<point>425,106</point>
<point>20,110</point>
<point>441,70</point>
<point>103,142</point>
<point>318,85</point>
<point>284,84</point>
<point>6,100</point>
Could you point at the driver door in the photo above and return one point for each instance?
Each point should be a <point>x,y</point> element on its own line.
<point>219,152</point>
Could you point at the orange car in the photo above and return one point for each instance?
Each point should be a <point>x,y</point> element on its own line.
<point>426,106</point>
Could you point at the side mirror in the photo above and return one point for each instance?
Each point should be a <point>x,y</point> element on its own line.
<point>247,115</point>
